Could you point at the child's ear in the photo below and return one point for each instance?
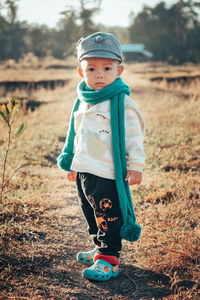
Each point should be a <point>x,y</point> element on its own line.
<point>80,71</point>
<point>120,69</point>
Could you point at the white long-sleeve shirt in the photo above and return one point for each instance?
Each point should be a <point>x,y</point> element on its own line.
<point>93,140</point>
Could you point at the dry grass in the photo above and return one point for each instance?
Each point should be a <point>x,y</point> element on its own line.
<point>42,227</point>
<point>32,68</point>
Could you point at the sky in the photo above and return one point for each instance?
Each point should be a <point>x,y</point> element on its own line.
<point>113,12</point>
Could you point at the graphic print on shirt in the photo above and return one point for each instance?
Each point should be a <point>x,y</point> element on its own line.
<point>101,116</point>
<point>95,129</point>
<point>96,147</point>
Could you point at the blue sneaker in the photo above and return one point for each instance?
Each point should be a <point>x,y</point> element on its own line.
<point>86,258</point>
<point>101,271</point>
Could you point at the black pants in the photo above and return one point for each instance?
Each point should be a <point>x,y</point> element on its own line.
<point>100,205</point>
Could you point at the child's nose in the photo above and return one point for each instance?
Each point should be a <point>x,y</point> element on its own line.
<point>99,74</point>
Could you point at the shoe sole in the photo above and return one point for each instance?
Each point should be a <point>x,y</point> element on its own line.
<point>88,274</point>
<point>83,260</point>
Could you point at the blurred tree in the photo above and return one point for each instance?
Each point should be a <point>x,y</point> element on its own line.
<point>170,33</point>
<point>86,14</point>
<point>38,40</point>
<point>186,21</point>
<point>3,38</point>
<point>18,38</point>
<point>12,32</point>
<point>12,11</point>
<point>120,32</point>
<point>67,33</point>
<point>73,24</point>
<point>194,41</point>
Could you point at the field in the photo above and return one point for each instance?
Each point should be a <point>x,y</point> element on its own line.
<point>41,226</point>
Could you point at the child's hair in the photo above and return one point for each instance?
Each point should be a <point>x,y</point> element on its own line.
<point>99,44</point>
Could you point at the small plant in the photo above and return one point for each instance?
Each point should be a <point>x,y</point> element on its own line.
<point>8,114</point>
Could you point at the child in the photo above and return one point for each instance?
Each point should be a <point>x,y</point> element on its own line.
<point>104,153</point>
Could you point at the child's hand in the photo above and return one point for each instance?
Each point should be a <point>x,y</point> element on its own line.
<point>71,176</point>
<point>133,177</point>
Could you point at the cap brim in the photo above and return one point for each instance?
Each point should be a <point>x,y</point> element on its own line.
<point>100,54</point>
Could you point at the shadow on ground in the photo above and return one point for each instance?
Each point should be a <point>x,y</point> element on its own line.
<point>60,275</point>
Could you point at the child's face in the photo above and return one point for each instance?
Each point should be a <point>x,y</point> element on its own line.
<point>99,72</point>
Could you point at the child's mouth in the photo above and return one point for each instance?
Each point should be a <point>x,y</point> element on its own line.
<point>99,84</point>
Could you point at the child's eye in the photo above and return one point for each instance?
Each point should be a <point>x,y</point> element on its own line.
<point>91,69</point>
<point>107,68</point>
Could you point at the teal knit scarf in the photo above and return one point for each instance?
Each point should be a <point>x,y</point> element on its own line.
<point>116,92</point>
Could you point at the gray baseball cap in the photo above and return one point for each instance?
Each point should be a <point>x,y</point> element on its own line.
<point>99,44</point>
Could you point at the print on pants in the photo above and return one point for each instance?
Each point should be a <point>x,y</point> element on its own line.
<point>91,199</point>
<point>104,204</point>
<point>102,224</point>
<point>100,205</point>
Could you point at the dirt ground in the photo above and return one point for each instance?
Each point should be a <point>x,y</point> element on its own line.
<point>41,225</point>
<point>48,269</point>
